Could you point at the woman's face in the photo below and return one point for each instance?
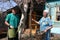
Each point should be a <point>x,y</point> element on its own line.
<point>45,14</point>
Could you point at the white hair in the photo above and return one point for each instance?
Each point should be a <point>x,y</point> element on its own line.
<point>46,11</point>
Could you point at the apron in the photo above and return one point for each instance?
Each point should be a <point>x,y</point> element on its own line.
<point>11,33</point>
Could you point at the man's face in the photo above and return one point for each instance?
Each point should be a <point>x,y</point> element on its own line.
<point>38,0</point>
<point>44,14</point>
<point>13,11</point>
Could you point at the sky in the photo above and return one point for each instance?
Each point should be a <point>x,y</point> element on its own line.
<point>6,4</point>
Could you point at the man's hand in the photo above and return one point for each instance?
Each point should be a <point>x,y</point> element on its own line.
<point>11,27</point>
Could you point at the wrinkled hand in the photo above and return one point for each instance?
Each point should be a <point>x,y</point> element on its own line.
<point>45,30</point>
<point>11,27</point>
<point>32,19</point>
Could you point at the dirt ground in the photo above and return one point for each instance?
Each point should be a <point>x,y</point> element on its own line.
<point>55,37</point>
<point>3,37</point>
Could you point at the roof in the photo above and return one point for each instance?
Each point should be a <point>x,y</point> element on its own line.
<point>52,0</point>
<point>5,5</point>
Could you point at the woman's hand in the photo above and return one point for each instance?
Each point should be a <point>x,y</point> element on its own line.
<point>45,31</point>
<point>35,21</point>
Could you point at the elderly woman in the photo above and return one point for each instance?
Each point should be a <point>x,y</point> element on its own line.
<point>45,24</point>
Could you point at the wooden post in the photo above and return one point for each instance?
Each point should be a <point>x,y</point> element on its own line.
<point>30,18</point>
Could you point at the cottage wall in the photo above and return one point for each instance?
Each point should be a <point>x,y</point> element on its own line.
<point>51,6</point>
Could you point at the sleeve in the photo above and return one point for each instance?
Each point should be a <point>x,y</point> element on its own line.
<point>7,18</point>
<point>50,22</point>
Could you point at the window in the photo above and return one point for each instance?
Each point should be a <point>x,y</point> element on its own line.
<point>58,13</point>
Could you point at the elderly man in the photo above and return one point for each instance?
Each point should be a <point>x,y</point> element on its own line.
<point>45,24</point>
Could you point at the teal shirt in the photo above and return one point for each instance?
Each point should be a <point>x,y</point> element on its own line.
<point>13,20</point>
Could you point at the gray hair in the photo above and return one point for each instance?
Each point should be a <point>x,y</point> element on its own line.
<point>46,11</point>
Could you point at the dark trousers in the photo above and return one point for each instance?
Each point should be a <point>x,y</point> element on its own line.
<point>46,36</point>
